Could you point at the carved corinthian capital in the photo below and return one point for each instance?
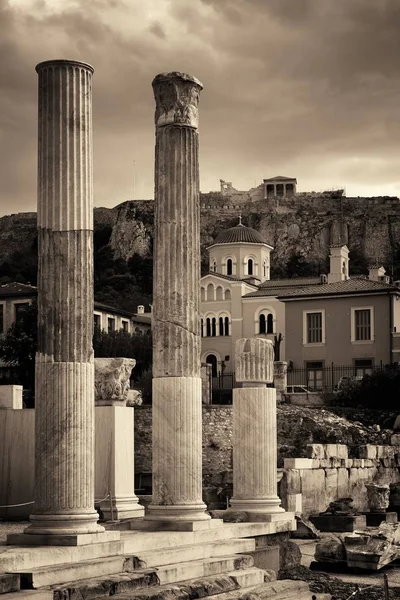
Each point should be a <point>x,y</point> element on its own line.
<point>177,99</point>
<point>254,360</point>
<point>112,377</point>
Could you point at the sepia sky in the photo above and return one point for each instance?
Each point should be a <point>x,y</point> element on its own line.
<point>301,88</point>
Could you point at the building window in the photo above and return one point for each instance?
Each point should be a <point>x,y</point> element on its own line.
<point>208,327</point>
<point>201,327</point>
<point>362,325</point>
<point>214,266</point>
<point>250,266</point>
<point>314,327</point>
<point>20,309</point>
<point>266,323</point>
<point>363,366</point>
<point>315,375</point>
<point>229,267</point>
<point>223,325</point>
<point>110,324</point>
<point>211,327</point>
<point>97,322</point>
<point>125,325</point>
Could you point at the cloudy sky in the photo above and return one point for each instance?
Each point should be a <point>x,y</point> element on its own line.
<point>301,88</point>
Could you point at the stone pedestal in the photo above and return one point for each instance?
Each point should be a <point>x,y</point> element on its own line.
<point>255,433</point>
<point>177,443</point>
<point>280,378</point>
<point>64,378</point>
<point>11,396</point>
<point>115,469</point>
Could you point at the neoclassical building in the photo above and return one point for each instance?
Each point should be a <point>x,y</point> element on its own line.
<point>323,320</point>
<point>237,297</point>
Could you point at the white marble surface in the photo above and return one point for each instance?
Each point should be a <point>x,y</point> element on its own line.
<point>11,396</point>
<point>255,451</point>
<point>115,465</point>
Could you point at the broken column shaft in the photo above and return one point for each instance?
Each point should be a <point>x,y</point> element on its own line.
<point>177,409</point>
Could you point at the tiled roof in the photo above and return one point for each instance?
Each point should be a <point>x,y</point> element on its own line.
<point>229,277</point>
<point>350,286</point>
<point>294,282</point>
<point>112,309</point>
<point>239,234</point>
<point>17,289</point>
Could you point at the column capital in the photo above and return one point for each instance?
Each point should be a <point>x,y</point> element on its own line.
<point>63,63</point>
<point>177,99</point>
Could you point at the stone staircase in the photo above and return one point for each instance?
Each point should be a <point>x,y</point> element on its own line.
<point>148,566</point>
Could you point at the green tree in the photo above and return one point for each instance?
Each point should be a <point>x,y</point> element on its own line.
<point>127,345</point>
<point>18,349</point>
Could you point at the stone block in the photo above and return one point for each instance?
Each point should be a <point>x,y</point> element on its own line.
<point>266,558</point>
<point>9,582</point>
<point>325,463</point>
<point>335,463</point>
<point>375,519</point>
<point>315,451</point>
<point>368,463</point>
<point>305,529</point>
<point>11,396</point>
<point>358,463</point>
<point>395,439</point>
<point>330,450</point>
<point>331,483</point>
<point>298,463</point>
<point>293,481</point>
<point>343,483</point>
<point>294,503</point>
<point>330,549</point>
<point>368,451</point>
<point>338,523</point>
<point>342,451</point>
<point>348,462</point>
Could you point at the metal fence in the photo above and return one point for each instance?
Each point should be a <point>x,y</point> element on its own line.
<point>327,378</point>
<point>312,378</point>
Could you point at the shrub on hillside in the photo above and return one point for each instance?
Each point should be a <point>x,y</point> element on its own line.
<point>380,389</point>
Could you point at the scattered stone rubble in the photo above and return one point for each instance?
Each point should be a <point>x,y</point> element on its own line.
<point>369,549</point>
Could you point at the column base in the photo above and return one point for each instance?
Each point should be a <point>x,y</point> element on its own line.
<point>64,524</point>
<point>177,513</point>
<point>77,539</point>
<point>121,508</point>
<point>263,509</point>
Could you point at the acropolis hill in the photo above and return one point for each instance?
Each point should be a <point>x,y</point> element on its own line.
<point>296,224</point>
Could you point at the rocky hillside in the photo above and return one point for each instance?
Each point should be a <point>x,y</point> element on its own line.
<point>300,229</point>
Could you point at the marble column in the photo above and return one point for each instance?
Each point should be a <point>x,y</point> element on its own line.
<point>255,433</point>
<point>64,386</point>
<point>177,409</point>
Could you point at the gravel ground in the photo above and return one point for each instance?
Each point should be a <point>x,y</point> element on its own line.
<point>7,527</point>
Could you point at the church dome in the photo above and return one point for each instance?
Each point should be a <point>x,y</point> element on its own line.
<point>239,234</point>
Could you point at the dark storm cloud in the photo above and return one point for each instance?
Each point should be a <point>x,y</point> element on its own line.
<point>307,88</point>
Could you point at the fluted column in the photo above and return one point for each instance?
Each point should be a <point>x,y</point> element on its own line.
<point>177,439</point>
<point>255,432</point>
<point>64,386</point>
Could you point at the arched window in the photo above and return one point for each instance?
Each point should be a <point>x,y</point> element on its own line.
<point>220,293</point>
<point>227,294</point>
<point>201,327</point>
<point>270,323</point>
<point>226,325</point>
<point>265,323</point>
<point>208,327</point>
<point>210,292</point>
<point>265,268</point>
<point>221,326</point>
<point>212,360</point>
<point>229,267</point>
<point>213,327</point>
<point>202,294</point>
<point>250,266</point>
<point>214,266</point>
